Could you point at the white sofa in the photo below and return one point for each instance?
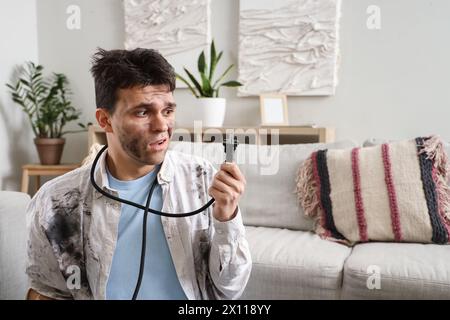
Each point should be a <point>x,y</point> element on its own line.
<point>289,260</point>
<point>13,281</point>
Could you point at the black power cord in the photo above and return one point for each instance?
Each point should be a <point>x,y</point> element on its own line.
<point>137,205</point>
<point>144,241</point>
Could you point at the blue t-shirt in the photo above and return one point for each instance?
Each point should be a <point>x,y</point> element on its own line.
<point>159,280</point>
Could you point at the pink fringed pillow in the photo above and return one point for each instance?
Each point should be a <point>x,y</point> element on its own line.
<point>392,192</point>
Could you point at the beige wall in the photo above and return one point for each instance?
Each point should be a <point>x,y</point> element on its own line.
<point>18,34</point>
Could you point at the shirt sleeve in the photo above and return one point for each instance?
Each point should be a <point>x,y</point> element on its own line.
<point>230,261</point>
<point>44,275</point>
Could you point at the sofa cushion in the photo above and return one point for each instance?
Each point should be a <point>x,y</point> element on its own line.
<point>269,199</point>
<point>374,142</point>
<point>13,280</point>
<point>291,264</point>
<point>406,271</point>
<point>391,192</point>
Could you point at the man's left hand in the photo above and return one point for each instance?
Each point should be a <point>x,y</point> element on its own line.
<point>227,187</point>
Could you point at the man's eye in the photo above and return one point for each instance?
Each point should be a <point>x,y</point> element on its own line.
<point>141,113</point>
<point>168,111</point>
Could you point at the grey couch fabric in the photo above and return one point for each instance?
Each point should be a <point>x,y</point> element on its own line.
<point>272,184</point>
<point>13,281</point>
<point>405,271</point>
<point>290,264</point>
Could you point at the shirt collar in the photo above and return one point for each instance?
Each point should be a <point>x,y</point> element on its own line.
<point>165,174</point>
<point>101,175</point>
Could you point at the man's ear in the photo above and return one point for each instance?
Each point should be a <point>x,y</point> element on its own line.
<point>104,119</point>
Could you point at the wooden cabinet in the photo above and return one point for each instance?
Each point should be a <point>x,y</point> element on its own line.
<point>39,170</point>
<point>248,135</point>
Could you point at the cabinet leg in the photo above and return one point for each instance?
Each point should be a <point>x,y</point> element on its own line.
<point>25,181</point>
<point>38,182</point>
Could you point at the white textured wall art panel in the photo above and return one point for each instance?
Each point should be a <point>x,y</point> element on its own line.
<point>288,46</point>
<point>178,29</point>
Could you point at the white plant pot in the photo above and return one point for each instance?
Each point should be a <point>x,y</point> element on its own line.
<point>211,111</point>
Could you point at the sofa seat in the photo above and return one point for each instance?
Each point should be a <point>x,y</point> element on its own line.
<point>291,264</point>
<point>13,281</point>
<point>406,271</point>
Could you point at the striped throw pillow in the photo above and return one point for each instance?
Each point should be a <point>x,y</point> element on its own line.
<point>391,192</point>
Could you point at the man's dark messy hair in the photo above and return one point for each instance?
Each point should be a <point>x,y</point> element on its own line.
<point>121,69</point>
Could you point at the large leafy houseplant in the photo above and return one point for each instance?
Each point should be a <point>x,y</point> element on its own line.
<point>45,102</point>
<point>210,108</point>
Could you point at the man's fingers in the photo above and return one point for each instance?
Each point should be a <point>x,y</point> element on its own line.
<point>233,169</point>
<point>216,193</point>
<point>229,180</point>
<point>221,186</point>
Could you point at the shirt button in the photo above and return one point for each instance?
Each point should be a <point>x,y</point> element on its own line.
<point>219,231</point>
<point>116,206</point>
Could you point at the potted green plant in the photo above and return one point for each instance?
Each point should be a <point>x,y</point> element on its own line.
<point>211,106</point>
<point>45,102</point>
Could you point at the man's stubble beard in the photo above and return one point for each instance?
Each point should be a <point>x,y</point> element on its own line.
<point>136,148</point>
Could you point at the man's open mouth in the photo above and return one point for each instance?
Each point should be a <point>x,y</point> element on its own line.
<point>158,143</point>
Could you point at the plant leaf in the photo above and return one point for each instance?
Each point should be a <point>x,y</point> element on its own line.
<point>222,76</point>
<point>213,60</point>
<point>201,63</point>
<point>188,84</point>
<point>194,81</point>
<point>215,65</point>
<point>206,86</point>
<point>231,84</point>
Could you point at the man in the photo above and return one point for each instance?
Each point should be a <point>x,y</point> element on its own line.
<point>83,245</point>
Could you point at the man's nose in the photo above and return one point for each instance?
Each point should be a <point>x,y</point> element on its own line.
<point>159,123</point>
